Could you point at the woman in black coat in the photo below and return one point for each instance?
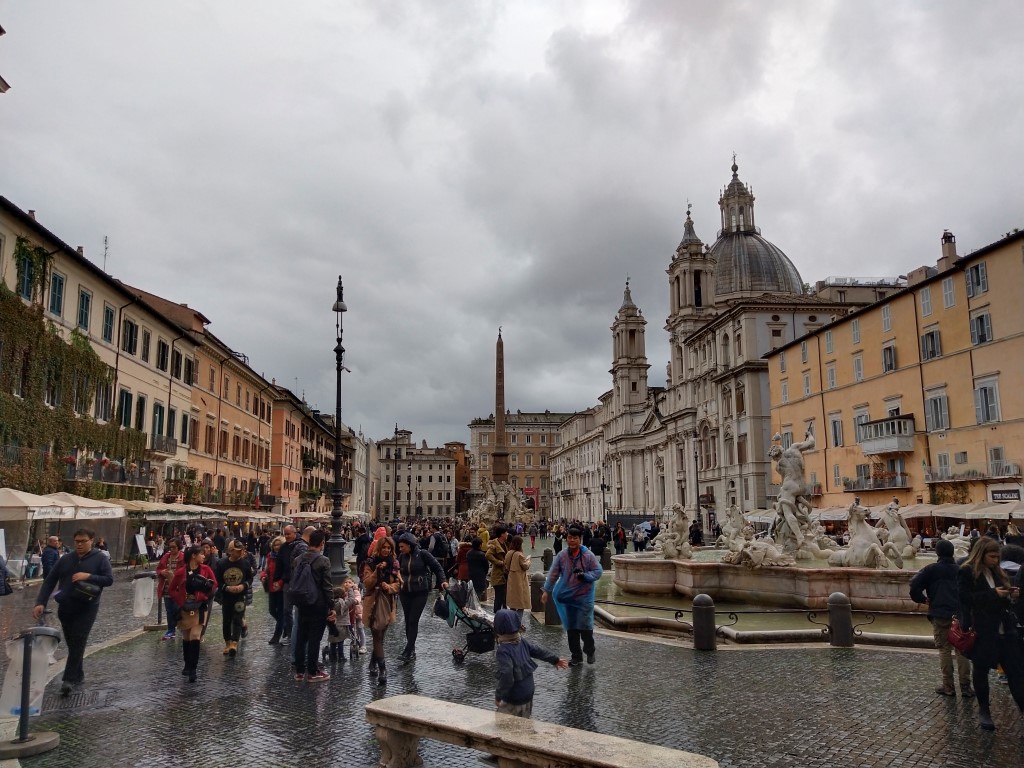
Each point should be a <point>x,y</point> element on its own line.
<point>986,598</point>
<point>476,562</point>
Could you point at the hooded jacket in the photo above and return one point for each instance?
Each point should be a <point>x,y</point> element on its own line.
<point>515,660</point>
<point>417,566</point>
<point>937,584</point>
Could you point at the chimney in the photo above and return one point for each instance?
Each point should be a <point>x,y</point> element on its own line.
<point>32,214</point>
<point>81,251</point>
<point>948,251</point>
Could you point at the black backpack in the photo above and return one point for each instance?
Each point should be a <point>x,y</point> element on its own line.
<point>302,588</point>
<point>439,546</point>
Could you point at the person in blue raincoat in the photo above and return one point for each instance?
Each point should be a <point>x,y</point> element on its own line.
<point>571,584</point>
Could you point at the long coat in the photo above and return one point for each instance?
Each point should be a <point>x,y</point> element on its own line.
<point>369,578</point>
<point>517,570</point>
<point>982,610</point>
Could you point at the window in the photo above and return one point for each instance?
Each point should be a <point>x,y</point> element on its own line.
<point>172,419</point>
<point>741,449</point>
<point>27,278</point>
<point>960,457</point>
<point>830,372</point>
<point>726,402</point>
<point>108,323</point>
<point>942,466</point>
<point>51,395</point>
<point>147,339</point>
<point>859,420</point>
<point>855,331</point>
<point>836,428</point>
<point>836,478</point>
<point>986,401</point>
<point>948,293</point>
<point>930,345</point>
<point>158,419</point>
<point>887,318</point>
<point>977,279</point>
<point>926,300</point>
<point>129,336</point>
<point>238,394</point>
<point>828,342</point>
<point>981,328</point>
<point>785,391</point>
<point>103,401</point>
<point>858,368</point>
<point>513,439</point>
<point>176,364</point>
<point>863,475</point>
<point>807,384</point>
<point>782,361</point>
<point>741,402</point>
<point>190,371</point>
<point>84,308</point>
<point>162,351</point>
<point>787,439</point>
<point>529,439</point>
<point>803,351</point>
<point>889,358</point>
<point>485,439</point>
<point>124,408</point>
<point>56,294</point>
<point>140,413</point>
<point>213,379</point>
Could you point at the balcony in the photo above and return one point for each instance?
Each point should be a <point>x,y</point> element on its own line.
<point>165,445</point>
<point>894,435</point>
<point>879,482</point>
<point>959,473</point>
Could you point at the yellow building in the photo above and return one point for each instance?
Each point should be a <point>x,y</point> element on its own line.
<point>917,396</point>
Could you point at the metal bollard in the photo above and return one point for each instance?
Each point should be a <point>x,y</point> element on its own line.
<point>536,590</point>
<point>704,638</point>
<point>547,558</point>
<point>840,621</point>
<point>43,741</point>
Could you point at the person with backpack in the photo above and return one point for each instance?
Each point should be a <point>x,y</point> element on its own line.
<point>312,593</point>
<point>81,576</point>
<point>416,566</point>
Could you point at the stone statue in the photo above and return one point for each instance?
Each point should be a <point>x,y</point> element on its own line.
<point>792,507</point>
<point>865,550</point>
<point>732,532</point>
<point>899,534</point>
<point>673,543</point>
<point>961,544</point>
<point>758,553</point>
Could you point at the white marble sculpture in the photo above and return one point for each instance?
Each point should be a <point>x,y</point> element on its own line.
<point>865,550</point>
<point>791,507</point>
<point>961,544</point>
<point>899,534</point>
<point>732,532</point>
<point>673,543</point>
<point>758,553</point>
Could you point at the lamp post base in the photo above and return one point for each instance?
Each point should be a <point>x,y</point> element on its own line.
<point>336,553</point>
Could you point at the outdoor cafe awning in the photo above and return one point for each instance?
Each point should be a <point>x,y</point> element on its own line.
<point>18,505</point>
<point>89,509</point>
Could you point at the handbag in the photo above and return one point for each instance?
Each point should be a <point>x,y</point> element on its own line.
<point>961,639</point>
<point>191,604</point>
<point>381,617</point>
<point>85,591</point>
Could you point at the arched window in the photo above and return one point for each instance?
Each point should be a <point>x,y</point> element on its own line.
<point>725,350</point>
<point>738,346</point>
<point>741,402</point>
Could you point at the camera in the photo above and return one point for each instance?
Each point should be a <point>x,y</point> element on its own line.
<point>578,572</point>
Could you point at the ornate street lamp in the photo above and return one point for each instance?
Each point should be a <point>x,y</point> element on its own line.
<point>336,542</point>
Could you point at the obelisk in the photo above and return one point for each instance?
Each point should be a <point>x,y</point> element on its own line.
<point>499,457</point>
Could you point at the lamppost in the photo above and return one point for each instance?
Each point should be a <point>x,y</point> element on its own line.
<point>696,481</point>
<point>336,543</point>
<point>604,493</point>
<point>408,494</point>
<point>394,479</point>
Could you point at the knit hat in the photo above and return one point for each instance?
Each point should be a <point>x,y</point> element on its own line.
<point>944,548</point>
<point>506,622</point>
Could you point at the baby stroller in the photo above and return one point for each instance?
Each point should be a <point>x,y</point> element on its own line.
<point>463,607</point>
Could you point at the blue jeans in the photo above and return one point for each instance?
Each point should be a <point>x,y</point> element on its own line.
<point>172,612</point>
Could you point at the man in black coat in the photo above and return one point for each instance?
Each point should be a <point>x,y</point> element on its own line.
<point>937,585</point>
<point>313,617</point>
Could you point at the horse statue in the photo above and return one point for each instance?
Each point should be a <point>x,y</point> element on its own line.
<point>865,550</point>
<point>899,534</point>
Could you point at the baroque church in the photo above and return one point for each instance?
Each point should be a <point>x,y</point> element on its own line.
<point>702,439</point>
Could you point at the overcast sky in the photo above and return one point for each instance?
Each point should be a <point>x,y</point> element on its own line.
<point>465,165</point>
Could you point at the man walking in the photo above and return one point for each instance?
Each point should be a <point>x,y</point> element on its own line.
<point>314,611</point>
<point>937,585</point>
<point>497,548</point>
<point>81,576</point>
<point>51,554</point>
<point>293,547</point>
<point>571,583</point>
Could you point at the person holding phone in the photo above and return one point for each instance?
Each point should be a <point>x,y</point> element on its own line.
<point>987,600</point>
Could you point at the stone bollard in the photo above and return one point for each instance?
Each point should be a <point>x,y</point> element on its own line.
<point>547,558</point>
<point>606,559</point>
<point>840,621</point>
<point>551,617</point>
<point>704,638</point>
<point>536,590</point>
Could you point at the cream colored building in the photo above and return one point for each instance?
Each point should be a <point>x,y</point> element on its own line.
<point>917,396</point>
<point>415,480</point>
<point>150,357</point>
<point>580,490</point>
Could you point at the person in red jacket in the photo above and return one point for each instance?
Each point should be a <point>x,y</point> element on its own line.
<point>169,563</point>
<point>191,588</point>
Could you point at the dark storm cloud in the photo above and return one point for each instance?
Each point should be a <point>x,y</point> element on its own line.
<point>470,165</point>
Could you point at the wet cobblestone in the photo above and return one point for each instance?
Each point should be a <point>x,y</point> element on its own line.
<point>746,708</point>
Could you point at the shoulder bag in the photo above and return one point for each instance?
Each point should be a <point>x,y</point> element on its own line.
<point>961,639</point>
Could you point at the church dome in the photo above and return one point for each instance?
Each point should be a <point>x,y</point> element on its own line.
<point>746,263</point>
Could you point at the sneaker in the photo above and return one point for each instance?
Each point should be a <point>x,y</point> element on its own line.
<point>168,635</point>
<point>406,656</point>
<point>944,691</point>
<point>575,661</point>
<point>591,658</point>
<point>362,650</point>
<point>300,677</point>
<point>1003,679</point>
<point>65,689</point>
<point>318,677</point>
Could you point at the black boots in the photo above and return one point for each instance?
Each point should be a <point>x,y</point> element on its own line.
<point>382,677</point>
<point>373,667</point>
<point>275,639</point>
<point>985,718</point>
<point>190,650</point>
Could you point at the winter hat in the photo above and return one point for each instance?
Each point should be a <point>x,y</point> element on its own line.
<point>506,622</point>
<point>944,548</point>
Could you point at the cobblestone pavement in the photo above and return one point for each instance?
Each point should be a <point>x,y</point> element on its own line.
<point>793,707</point>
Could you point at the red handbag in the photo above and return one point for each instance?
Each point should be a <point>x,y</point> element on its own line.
<point>959,638</point>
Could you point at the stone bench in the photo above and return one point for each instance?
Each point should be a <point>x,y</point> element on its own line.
<point>517,742</point>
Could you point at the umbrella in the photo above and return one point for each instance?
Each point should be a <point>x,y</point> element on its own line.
<point>646,525</point>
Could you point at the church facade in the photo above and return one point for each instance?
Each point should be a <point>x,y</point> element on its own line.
<point>701,439</point>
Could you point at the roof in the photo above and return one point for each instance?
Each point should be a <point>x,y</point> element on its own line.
<point>747,263</point>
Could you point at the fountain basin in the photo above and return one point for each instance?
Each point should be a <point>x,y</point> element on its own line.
<point>785,587</point>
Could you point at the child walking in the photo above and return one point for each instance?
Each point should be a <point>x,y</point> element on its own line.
<point>354,598</point>
<point>515,657</point>
<point>347,604</point>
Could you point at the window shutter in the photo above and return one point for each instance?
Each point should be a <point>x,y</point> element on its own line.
<point>974,331</point>
<point>986,321</point>
<point>983,277</point>
<point>944,412</point>
<point>938,343</point>
<point>929,419</point>
<point>979,407</point>
<point>970,283</point>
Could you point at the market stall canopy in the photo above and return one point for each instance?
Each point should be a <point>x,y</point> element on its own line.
<point>307,516</point>
<point>992,510</point>
<point>917,510</point>
<point>830,513</point>
<point>129,505</point>
<point>88,509</point>
<point>760,516</point>
<point>21,505</point>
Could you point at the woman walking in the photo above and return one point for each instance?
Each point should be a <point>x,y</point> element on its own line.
<point>417,565</point>
<point>170,562</point>
<point>619,538</point>
<point>275,590</point>
<point>517,566</point>
<point>985,606</point>
<point>382,580</point>
<point>190,589</point>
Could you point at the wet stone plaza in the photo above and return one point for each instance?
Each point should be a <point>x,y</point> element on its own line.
<point>744,707</point>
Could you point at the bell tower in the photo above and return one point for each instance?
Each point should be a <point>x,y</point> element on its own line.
<point>691,281</point>
<point>629,356</point>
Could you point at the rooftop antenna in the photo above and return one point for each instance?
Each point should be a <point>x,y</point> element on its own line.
<point>106,248</point>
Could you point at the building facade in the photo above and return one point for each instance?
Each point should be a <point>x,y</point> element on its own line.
<point>916,396</point>
<point>415,481</point>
